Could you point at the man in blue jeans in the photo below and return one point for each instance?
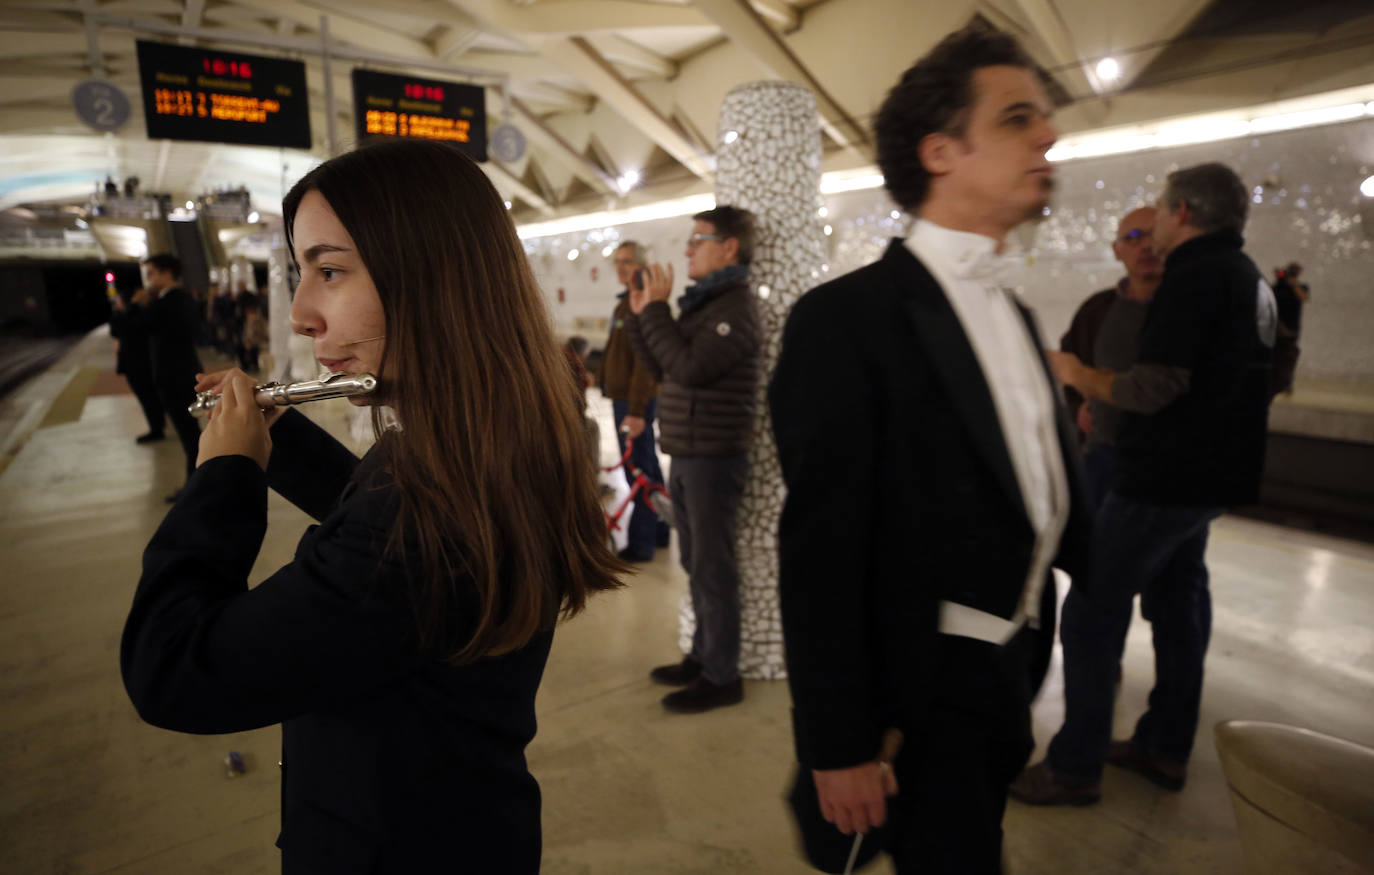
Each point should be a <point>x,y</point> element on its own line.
<point>626,380</point>
<point>1191,444</point>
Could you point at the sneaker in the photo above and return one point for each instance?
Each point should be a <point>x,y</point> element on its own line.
<point>1039,785</point>
<point>631,555</point>
<point>150,437</point>
<point>1166,774</point>
<point>677,675</point>
<point>702,695</point>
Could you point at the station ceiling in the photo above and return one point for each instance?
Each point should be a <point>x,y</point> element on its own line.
<point>608,89</point>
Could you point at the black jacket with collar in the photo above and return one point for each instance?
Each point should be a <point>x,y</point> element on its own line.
<point>392,761</point>
<point>1214,316</point>
<point>901,494</point>
<point>708,362</point>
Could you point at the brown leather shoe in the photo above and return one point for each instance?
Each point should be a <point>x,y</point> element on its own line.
<point>1169,775</point>
<point>702,695</point>
<point>1038,785</point>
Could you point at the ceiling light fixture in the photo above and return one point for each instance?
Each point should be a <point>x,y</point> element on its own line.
<point>1367,187</point>
<point>1108,70</point>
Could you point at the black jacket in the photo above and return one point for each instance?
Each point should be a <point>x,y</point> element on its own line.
<point>170,323</point>
<point>134,356</point>
<point>708,362</point>
<point>1214,316</point>
<point>901,494</point>
<point>393,762</point>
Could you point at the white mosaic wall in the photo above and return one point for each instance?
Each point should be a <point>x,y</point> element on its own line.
<point>768,162</point>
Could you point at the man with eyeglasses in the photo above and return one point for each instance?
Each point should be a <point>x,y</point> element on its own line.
<point>708,362</point>
<point>1191,444</point>
<point>1105,333</point>
<point>633,391</point>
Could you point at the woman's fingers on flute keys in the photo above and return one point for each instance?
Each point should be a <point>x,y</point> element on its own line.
<point>214,381</point>
<point>237,427</point>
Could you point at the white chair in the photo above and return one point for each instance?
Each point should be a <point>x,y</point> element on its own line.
<point>1304,801</point>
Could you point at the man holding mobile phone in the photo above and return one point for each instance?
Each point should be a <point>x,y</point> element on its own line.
<point>633,392</point>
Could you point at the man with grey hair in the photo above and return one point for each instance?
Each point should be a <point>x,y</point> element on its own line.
<point>633,392</point>
<point>1191,443</point>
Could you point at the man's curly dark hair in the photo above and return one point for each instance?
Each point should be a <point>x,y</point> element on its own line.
<point>934,96</point>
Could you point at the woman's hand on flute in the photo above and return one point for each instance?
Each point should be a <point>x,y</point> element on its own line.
<point>237,425</point>
<point>214,382</point>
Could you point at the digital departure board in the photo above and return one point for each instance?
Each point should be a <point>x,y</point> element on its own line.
<point>386,105</point>
<point>223,97</point>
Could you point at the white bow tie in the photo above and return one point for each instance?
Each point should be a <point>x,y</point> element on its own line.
<point>987,267</point>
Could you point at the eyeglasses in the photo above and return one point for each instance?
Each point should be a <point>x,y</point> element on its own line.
<point>696,240</point>
<point>1135,235</point>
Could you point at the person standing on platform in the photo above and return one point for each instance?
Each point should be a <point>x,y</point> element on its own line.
<point>1105,333</point>
<point>402,647</point>
<point>708,360</point>
<point>172,319</point>
<point>134,361</point>
<point>1191,443</point>
<point>931,475</point>
<point>627,381</point>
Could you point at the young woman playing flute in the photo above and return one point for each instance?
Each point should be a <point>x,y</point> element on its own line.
<point>402,647</point>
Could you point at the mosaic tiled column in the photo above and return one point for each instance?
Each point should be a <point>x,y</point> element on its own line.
<point>768,162</point>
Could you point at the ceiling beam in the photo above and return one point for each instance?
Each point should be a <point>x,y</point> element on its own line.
<point>580,16</point>
<point>1047,24</point>
<point>455,41</point>
<point>190,16</point>
<point>561,98</point>
<point>346,28</point>
<point>578,57</point>
<point>625,53</point>
<point>778,12</point>
<point>752,34</point>
<point>541,179</point>
<point>504,180</point>
<point>562,151</point>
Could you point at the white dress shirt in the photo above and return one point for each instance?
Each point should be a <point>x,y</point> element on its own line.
<point>968,268</point>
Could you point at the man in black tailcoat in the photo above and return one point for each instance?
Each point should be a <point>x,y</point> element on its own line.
<point>171,320</point>
<point>932,478</point>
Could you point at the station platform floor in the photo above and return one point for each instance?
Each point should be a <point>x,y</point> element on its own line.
<point>85,787</point>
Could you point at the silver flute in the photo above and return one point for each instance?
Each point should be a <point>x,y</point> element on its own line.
<point>284,394</point>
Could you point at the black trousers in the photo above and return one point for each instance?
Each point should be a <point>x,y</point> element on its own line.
<point>177,398</point>
<point>141,382</point>
<point>960,757</point>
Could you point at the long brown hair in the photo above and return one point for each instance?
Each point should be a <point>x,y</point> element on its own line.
<point>490,461</point>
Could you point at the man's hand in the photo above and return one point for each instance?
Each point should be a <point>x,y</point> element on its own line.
<point>140,297</point>
<point>658,282</point>
<point>639,298</point>
<point>633,426</point>
<point>1066,367</point>
<point>855,799</point>
<point>238,427</point>
<point>1085,418</point>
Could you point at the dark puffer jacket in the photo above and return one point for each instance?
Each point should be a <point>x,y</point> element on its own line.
<point>708,365</point>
